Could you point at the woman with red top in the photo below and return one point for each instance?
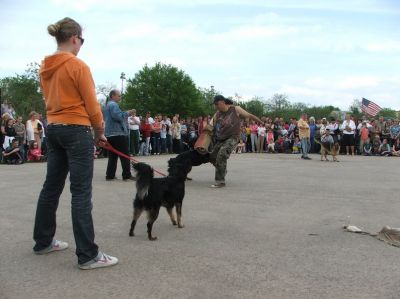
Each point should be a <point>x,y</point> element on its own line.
<point>253,136</point>
<point>145,130</point>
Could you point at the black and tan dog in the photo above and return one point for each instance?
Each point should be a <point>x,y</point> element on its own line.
<point>328,148</point>
<point>152,193</point>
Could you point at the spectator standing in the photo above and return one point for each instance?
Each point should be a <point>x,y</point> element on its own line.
<point>9,132</point>
<point>156,137</point>
<point>20,136</point>
<point>116,131</point>
<point>34,129</point>
<point>348,128</point>
<point>261,137</point>
<point>145,130</point>
<point>253,136</point>
<point>134,124</point>
<point>176,135</point>
<point>364,136</point>
<point>163,137</point>
<point>167,122</point>
<point>313,132</point>
<point>304,136</point>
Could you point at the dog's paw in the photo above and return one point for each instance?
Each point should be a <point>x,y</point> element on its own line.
<point>153,238</point>
<point>174,223</point>
<point>131,234</point>
<point>181,225</point>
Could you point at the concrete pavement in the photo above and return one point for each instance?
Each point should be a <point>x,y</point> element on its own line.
<point>273,232</point>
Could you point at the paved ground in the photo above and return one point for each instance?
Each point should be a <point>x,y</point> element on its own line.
<point>273,232</point>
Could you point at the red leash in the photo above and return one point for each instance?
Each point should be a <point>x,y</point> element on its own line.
<point>109,147</point>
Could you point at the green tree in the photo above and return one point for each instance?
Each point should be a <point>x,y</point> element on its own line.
<point>387,113</point>
<point>23,91</point>
<point>163,89</point>
<point>256,106</point>
<point>277,104</point>
<point>206,98</point>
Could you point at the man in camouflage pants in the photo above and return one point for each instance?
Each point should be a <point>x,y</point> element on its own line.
<point>226,123</point>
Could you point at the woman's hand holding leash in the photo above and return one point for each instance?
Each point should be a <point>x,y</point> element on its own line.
<point>100,139</point>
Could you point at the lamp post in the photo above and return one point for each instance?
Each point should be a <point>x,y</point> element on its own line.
<point>122,77</point>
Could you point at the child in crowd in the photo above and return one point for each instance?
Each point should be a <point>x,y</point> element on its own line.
<point>367,150</point>
<point>376,143</point>
<point>35,153</point>
<point>279,144</point>
<point>296,146</point>
<point>12,153</point>
<point>287,144</point>
<point>384,148</point>
<point>364,135</point>
<point>163,136</point>
<point>270,141</point>
<point>240,148</point>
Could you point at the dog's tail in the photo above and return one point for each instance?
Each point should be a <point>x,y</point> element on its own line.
<point>144,176</point>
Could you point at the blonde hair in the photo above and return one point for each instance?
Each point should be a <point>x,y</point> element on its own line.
<point>64,29</point>
<point>32,114</point>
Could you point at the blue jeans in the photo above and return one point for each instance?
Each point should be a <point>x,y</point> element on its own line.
<point>70,149</point>
<point>163,145</point>
<point>305,146</point>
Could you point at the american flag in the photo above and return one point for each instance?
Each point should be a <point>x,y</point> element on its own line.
<point>369,107</point>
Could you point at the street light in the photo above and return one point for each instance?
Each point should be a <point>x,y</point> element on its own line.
<point>122,77</point>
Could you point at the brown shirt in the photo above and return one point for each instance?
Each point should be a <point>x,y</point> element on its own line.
<point>227,124</point>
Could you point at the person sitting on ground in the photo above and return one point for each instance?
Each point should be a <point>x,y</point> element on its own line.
<point>367,150</point>
<point>240,148</point>
<point>396,148</point>
<point>12,153</point>
<point>376,143</point>
<point>384,148</point>
<point>287,144</point>
<point>296,146</point>
<point>35,153</point>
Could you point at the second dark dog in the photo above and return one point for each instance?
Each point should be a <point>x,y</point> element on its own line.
<point>193,157</point>
<point>152,193</point>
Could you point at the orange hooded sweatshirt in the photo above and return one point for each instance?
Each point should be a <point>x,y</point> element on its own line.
<point>69,92</point>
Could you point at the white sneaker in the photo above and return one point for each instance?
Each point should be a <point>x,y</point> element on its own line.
<point>100,261</point>
<point>56,245</point>
<point>218,185</point>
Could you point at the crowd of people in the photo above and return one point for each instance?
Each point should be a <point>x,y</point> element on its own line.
<point>161,134</point>
<point>22,141</point>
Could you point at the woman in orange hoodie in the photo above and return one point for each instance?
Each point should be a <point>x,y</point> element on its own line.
<point>72,113</point>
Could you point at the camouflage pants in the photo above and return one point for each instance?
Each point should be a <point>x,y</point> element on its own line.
<point>220,155</point>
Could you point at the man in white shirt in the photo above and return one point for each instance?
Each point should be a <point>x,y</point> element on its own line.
<point>133,122</point>
<point>348,127</point>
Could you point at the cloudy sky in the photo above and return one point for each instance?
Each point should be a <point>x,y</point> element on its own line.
<point>316,51</point>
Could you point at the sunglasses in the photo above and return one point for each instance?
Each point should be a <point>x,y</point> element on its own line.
<point>81,39</point>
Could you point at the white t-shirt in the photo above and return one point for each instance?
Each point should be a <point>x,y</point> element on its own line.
<point>348,123</point>
<point>261,131</point>
<point>332,128</point>
<point>133,119</point>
